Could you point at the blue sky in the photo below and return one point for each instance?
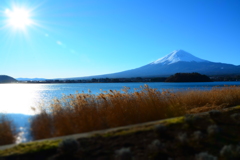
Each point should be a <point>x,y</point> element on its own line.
<point>75,38</point>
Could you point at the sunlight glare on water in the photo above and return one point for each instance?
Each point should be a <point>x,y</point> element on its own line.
<point>19,98</point>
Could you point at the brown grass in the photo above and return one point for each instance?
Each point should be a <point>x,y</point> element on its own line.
<point>7,131</point>
<point>87,112</point>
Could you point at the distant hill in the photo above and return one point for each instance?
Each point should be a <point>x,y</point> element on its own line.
<point>179,61</point>
<point>7,79</point>
<point>188,77</point>
<point>31,79</point>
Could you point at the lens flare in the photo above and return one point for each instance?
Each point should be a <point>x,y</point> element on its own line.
<point>18,17</point>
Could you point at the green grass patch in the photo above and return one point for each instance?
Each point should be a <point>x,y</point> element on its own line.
<point>32,147</point>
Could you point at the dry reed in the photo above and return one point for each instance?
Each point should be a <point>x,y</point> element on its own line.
<point>87,112</point>
<point>7,131</point>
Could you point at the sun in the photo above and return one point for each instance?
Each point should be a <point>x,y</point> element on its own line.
<point>18,18</point>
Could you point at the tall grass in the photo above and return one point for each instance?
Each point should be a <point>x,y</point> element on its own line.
<point>85,112</point>
<point>7,131</point>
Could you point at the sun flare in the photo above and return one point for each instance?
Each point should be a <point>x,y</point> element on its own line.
<point>18,17</point>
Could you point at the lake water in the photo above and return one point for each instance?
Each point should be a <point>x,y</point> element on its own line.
<point>17,99</point>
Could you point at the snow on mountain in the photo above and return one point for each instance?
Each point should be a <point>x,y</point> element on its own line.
<point>176,56</point>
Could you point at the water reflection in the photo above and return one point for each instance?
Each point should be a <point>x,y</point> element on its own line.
<point>21,122</point>
<point>18,98</point>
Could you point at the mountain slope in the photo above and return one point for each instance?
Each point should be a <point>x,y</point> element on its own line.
<point>7,79</point>
<point>175,62</point>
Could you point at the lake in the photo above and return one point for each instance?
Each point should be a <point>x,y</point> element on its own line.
<point>17,99</point>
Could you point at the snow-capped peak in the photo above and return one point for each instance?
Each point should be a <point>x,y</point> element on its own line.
<point>176,56</point>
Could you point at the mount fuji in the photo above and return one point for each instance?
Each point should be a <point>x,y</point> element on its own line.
<point>178,61</point>
<point>177,56</point>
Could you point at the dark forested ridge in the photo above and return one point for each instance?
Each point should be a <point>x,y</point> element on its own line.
<point>188,77</point>
<point>7,79</point>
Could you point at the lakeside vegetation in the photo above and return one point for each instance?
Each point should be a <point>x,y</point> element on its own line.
<point>7,130</point>
<point>85,112</point>
<point>188,77</point>
<point>134,79</point>
<point>178,77</point>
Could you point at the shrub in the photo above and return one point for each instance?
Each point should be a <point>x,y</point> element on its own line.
<point>68,146</point>
<point>161,131</point>
<point>197,135</point>
<point>123,154</point>
<point>214,113</point>
<point>236,117</point>
<point>230,152</point>
<point>205,156</point>
<point>156,145</point>
<point>182,137</point>
<point>192,119</point>
<point>7,131</point>
<point>213,130</point>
